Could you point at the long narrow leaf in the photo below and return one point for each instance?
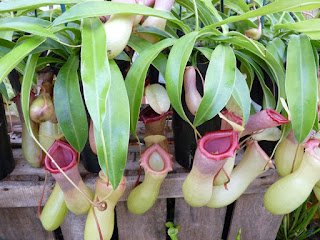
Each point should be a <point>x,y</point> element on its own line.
<point>277,6</point>
<point>176,64</point>
<point>69,106</point>
<point>112,141</point>
<point>95,71</point>
<point>267,58</point>
<point>96,9</point>
<point>309,27</point>
<point>27,27</point>
<point>3,91</point>
<point>219,83</point>
<point>14,5</point>
<point>241,94</point>
<point>26,88</point>
<point>268,98</point>
<point>136,76</point>
<point>139,44</point>
<point>24,19</point>
<point>301,85</point>
<point>10,60</point>
<point>277,48</point>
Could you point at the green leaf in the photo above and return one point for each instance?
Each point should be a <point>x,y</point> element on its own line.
<point>278,6</point>
<point>14,5</point>
<point>246,68</point>
<point>24,19</point>
<point>96,9</point>
<point>53,46</point>
<point>95,71</point>
<point>177,61</point>
<point>123,57</point>
<point>136,76</point>
<point>219,83</point>
<point>3,91</point>
<point>140,44</point>
<point>152,31</point>
<point>241,94</point>
<point>26,88</point>
<point>268,98</point>
<point>112,141</point>
<point>238,6</point>
<point>12,59</point>
<point>207,52</point>
<point>301,85</point>
<point>309,27</point>
<point>44,61</point>
<point>68,104</point>
<point>277,48</point>
<point>208,4</point>
<point>204,14</point>
<point>267,58</point>
<point>27,27</point>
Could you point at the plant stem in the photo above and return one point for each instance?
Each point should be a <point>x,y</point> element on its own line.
<point>196,15</point>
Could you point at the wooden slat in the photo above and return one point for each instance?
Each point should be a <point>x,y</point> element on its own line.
<point>198,223</point>
<point>254,220</point>
<point>147,226</point>
<point>22,224</point>
<point>73,226</point>
<point>171,188</point>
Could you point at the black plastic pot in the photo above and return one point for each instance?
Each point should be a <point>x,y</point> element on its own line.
<point>184,138</point>
<point>89,159</point>
<point>6,158</point>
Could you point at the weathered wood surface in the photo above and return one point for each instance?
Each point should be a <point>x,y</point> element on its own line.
<point>198,223</point>
<point>147,226</point>
<point>73,226</point>
<point>254,220</point>
<point>28,182</point>
<point>22,224</point>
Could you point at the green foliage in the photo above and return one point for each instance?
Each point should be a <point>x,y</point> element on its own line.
<point>173,230</point>
<point>299,225</point>
<point>235,61</point>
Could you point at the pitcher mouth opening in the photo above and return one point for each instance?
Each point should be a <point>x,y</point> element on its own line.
<point>166,158</point>
<point>148,115</point>
<point>277,116</point>
<point>313,147</point>
<point>219,145</point>
<point>232,117</point>
<point>63,154</point>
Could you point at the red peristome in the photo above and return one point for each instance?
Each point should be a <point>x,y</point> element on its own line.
<point>264,119</point>
<point>219,145</point>
<point>277,116</point>
<point>310,145</point>
<point>166,157</point>
<point>230,116</point>
<point>63,154</point>
<point>148,115</point>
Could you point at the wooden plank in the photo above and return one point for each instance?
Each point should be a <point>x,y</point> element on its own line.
<point>255,221</point>
<point>171,188</point>
<point>22,224</point>
<point>147,226</point>
<point>198,223</point>
<point>73,226</point>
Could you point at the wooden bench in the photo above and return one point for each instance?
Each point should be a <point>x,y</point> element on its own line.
<point>21,190</point>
